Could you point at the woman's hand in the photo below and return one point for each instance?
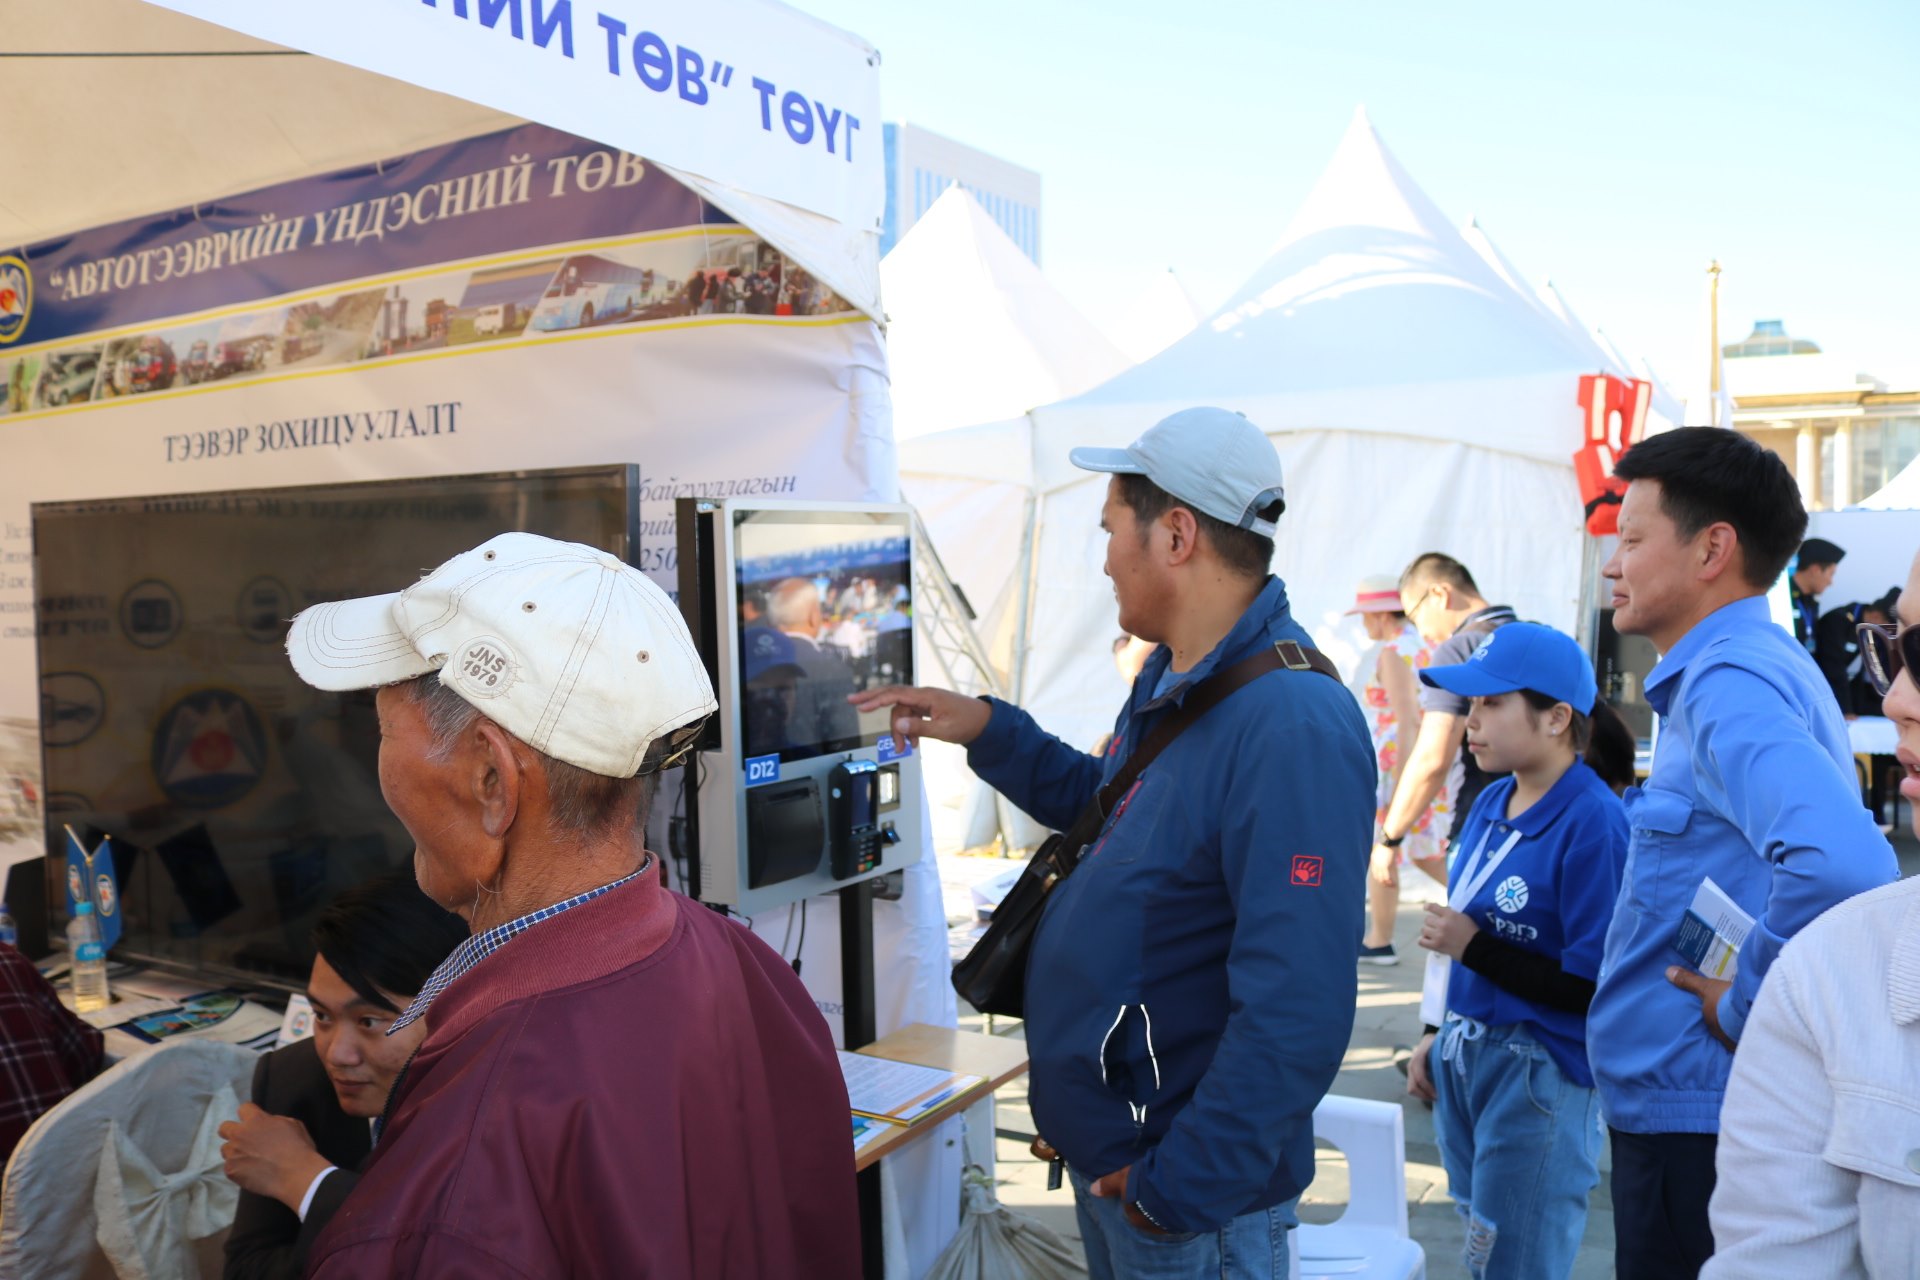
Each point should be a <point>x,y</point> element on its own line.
<point>1419,1083</point>
<point>1447,931</point>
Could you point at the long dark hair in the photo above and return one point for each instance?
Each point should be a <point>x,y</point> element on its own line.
<point>1601,737</point>
<point>386,935</point>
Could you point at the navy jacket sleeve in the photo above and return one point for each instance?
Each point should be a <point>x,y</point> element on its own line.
<point>1295,833</point>
<point>1049,780</point>
<point>260,1246</point>
<point>1758,764</point>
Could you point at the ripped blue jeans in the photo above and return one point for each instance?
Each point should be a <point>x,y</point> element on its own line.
<point>1521,1146</point>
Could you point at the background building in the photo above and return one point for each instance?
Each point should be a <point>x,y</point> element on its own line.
<point>921,164</point>
<point>1843,433</point>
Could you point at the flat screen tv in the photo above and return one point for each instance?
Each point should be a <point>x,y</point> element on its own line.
<point>826,609</point>
<point>240,801</point>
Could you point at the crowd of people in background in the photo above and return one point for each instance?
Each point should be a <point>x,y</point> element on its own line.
<point>1571,993</point>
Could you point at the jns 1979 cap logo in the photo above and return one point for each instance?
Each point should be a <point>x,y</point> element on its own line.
<point>485,668</point>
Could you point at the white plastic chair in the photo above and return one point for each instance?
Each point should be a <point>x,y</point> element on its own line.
<point>1370,1239</point>
<point>123,1179</point>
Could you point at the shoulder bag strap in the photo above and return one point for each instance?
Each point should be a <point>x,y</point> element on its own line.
<point>1287,655</point>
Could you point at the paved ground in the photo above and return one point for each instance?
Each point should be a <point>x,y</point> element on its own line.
<point>1388,1016</point>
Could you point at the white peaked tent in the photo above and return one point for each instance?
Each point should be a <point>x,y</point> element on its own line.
<point>1157,317</point>
<point>1419,401</point>
<point>975,332</point>
<point>1902,493</point>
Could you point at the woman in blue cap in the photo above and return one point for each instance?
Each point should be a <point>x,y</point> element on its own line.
<point>1536,871</point>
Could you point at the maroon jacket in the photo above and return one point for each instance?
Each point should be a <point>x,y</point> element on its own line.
<point>636,1088</point>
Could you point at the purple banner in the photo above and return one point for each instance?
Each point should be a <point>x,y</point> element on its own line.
<point>504,191</point>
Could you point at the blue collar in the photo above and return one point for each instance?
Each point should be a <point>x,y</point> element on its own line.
<point>481,945</point>
<point>1742,614</point>
<point>1550,806</point>
<point>1267,614</point>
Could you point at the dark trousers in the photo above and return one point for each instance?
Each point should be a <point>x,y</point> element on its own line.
<point>1661,1185</point>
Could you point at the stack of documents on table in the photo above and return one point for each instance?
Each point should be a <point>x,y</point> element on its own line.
<point>152,1008</point>
<point>898,1092</point>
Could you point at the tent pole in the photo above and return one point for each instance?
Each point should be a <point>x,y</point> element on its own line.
<point>1017,678</point>
<point>1587,620</point>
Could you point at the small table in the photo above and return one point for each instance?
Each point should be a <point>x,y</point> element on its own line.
<point>994,1059</point>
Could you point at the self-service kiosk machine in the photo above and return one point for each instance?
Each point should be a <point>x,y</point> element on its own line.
<point>795,606</point>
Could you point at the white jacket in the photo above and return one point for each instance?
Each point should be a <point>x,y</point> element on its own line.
<point>1819,1161</point>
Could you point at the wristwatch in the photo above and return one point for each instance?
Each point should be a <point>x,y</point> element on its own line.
<point>1392,842</point>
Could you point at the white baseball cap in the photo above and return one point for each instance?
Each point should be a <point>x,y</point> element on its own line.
<point>573,652</point>
<point>1213,459</point>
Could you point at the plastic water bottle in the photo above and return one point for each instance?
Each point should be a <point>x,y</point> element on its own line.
<point>89,961</point>
<point>9,932</point>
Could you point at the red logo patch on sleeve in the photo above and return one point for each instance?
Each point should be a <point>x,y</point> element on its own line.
<point>1306,871</point>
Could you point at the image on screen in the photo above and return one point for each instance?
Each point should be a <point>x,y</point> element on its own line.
<point>240,800</point>
<point>826,610</point>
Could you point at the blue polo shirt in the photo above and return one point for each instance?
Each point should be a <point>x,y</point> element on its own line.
<point>1552,894</point>
<point>1753,785</point>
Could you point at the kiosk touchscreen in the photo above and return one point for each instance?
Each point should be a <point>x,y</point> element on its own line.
<point>796,606</point>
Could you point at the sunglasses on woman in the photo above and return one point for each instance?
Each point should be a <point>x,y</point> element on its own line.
<point>1887,651</point>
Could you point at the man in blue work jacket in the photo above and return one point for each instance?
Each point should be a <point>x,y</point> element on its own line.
<point>1752,788</point>
<point>1191,988</point>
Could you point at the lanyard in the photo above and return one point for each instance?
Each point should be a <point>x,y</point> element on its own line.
<point>1473,876</point>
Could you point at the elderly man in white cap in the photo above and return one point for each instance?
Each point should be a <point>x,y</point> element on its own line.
<point>616,1081</point>
<point>1191,985</point>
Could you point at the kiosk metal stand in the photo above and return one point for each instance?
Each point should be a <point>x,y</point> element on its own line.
<point>857,1021</point>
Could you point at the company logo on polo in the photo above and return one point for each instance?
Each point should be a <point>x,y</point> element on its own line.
<point>1511,895</point>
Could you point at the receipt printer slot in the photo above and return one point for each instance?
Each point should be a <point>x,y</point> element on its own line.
<point>785,830</point>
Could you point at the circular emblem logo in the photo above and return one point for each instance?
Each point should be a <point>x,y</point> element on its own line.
<point>1511,895</point>
<point>16,297</point>
<point>72,705</point>
<point>104,894</point>
<point>209,750</point>
<point>485,668</point>
<point>150,613</point>
<point>263,609</point>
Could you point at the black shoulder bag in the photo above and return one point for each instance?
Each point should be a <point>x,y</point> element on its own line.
<point>993,976</point>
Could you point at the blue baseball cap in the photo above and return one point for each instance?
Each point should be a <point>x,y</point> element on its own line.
<point>1523,655</point>
<point>1210,459</point>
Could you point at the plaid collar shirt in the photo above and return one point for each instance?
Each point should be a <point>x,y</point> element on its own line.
<point>45,1051</point>
<point>481,945</point>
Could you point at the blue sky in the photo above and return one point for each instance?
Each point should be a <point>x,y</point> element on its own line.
<point>1615,148</point>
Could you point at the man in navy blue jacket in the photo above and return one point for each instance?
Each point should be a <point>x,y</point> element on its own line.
<point>1191,988</point>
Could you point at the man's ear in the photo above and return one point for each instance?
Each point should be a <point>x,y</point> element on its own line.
<point>1719,550</point>
<point>1183,534</point>
<point>496,779</point>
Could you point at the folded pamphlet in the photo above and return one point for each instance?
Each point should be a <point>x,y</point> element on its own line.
<point>1711,933</point>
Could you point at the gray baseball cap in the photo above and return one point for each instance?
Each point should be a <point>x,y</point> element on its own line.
<point>1212,459</point>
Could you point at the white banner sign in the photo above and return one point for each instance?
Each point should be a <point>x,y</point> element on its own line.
<point>743,92</point>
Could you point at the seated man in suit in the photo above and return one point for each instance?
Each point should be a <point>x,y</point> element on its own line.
<point>297,1147</point>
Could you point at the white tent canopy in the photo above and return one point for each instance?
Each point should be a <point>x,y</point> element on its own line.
<point>974,331</point>
<point>1155,318</point>
<point>238,113</point>
<point>1902,493</point>
<point>1418,399</point>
